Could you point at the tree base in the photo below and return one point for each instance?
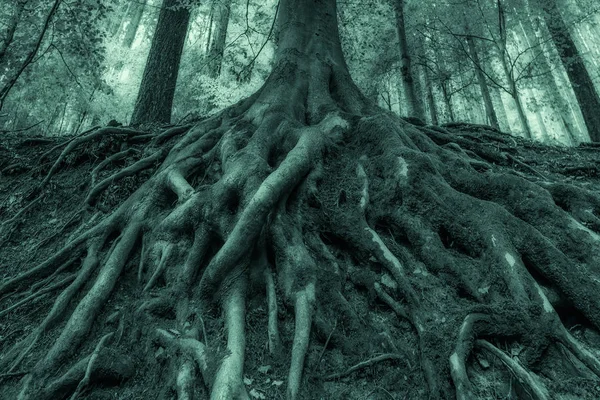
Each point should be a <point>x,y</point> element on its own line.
<point>252,255</point>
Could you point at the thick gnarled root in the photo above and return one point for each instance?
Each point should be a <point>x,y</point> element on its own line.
<point>228,381</point>
<point>230,202</point>
<point>304,305</point>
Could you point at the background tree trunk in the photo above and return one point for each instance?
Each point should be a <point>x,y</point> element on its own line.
<point>580,79</point>
<point>433,114</point>
<point>155,97</point>
<point>553,92</point>
<point>415,108</point>
<point>485,91</point>
<point>217,47</point>
<point>500,110</point>
<point>135,13</point>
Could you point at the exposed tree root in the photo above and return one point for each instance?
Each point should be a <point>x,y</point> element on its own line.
<point>364,364</point>
<point>115,157</point>
<point>273,325</point>
<point>91,366</point>
<point>140,165</point>
<point>83,139</point>
<point>536,389</point>
<point>302,203</point>
<point>305,300</point>
<point>228,381</point>
<point>35,296</point>
<point>108,367</point>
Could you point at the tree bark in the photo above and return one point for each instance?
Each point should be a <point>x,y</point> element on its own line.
<point>217,47</point>
<point>210,27</point>
<point>415,108</point>
<point>135,13</point>
<point>155,97</point>
<point>485,91</point>
<point>583,86</point>
<point>433,113</point>
<point>500,110</point>
<point>521,112</point>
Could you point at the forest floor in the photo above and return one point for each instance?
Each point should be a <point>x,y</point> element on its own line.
<point>44,228</point>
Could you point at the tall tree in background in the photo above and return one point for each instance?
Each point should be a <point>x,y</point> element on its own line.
<point>220,13</point>
<point>306,193</point>
<point>414,103</point>
<point>134,14</point>
<point>155,97</point>
<point>508,67</point>
<point>583,86</point>
<point>481,80</point>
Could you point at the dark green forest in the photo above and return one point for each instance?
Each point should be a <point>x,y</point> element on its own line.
<point>299,199</point>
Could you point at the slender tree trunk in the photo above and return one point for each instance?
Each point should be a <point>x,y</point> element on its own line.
<point>433,113</point>
<point>415,108</point>
<point>500,110</point>
<point>135,13</point>
<point>521,112</point>
<point>564,89</point>
<point>119,17</point>
<point>217,47</point>
<point>15,77</point>
<point>485,91</point>
<point>399,92</point>
<point>52,120</point>
<point>583,86</point>
<point>62,118</point>
<point>9,34</point>
<point>155,97</point>
<point>448,101</point>
<point>210,26</point>
<point>509,71</point>
<point>514,92</point>
<point>552,90</point>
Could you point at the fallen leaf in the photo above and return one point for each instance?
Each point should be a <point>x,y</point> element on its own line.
<point>264,369</point>
<point>256,394</point>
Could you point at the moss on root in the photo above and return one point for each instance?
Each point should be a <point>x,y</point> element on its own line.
<point>254,253</point>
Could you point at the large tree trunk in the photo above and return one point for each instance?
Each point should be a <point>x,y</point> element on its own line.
<point>222,10</point>
<point>414,104</point>
<point>306,194</point>
<point>583,86</point>
<point>155,97</point>
<point>134,13</point>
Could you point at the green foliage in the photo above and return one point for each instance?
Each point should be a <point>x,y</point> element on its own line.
<point>67,68</point>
